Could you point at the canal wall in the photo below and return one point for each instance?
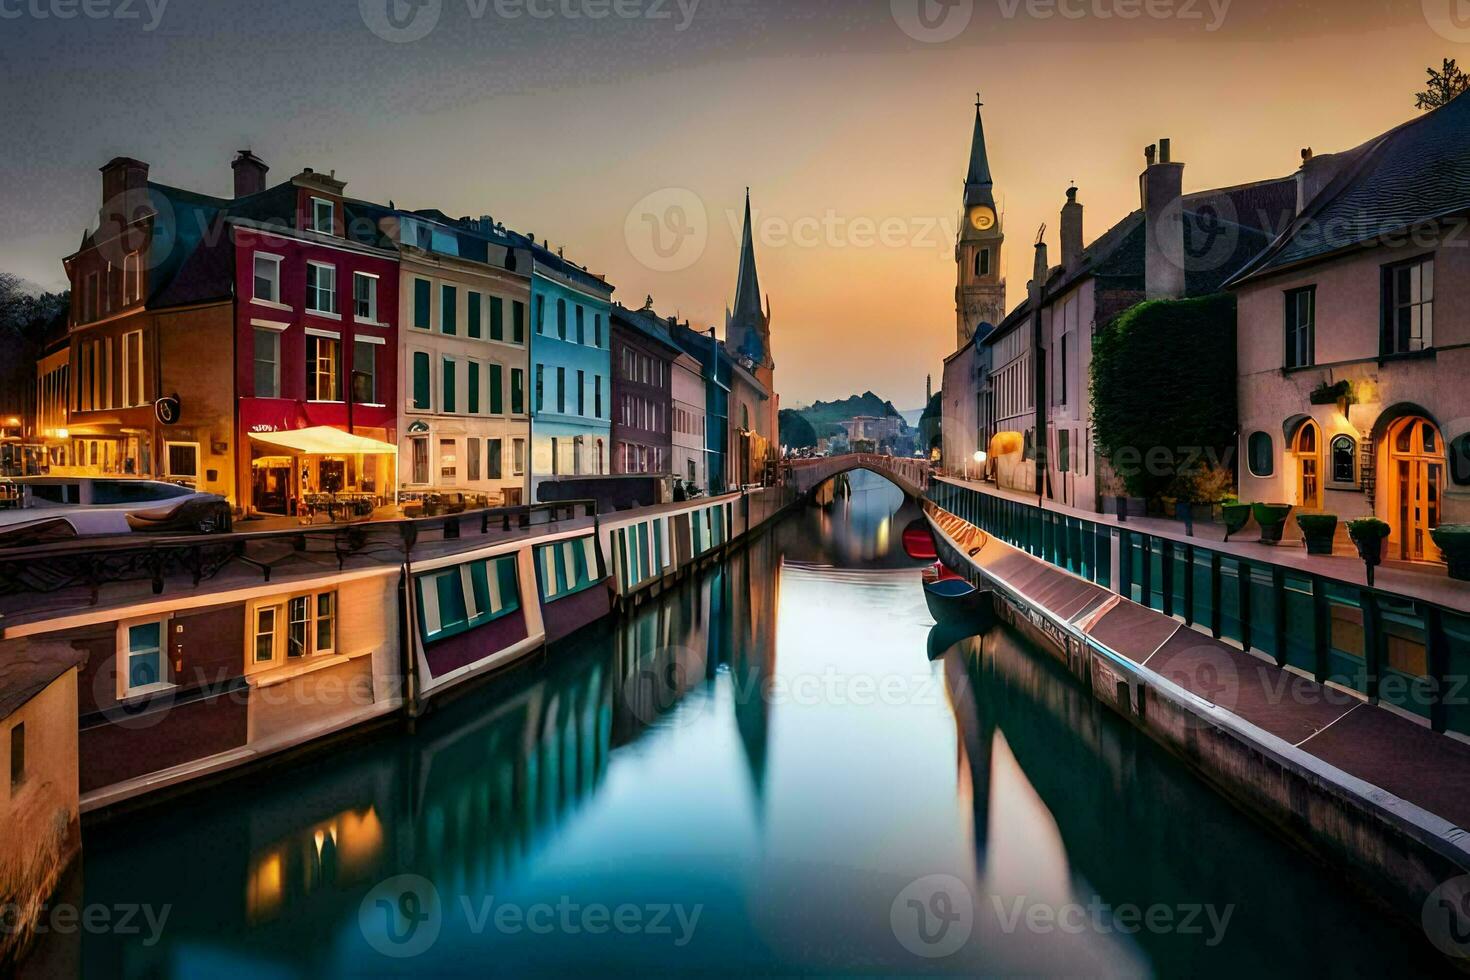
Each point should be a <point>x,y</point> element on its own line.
<point>171,688</point>
<point>1278,745</point>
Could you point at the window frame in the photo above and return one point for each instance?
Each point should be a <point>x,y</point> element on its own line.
<point>1293,329</point>
<point>315,204</point>
<point>500,572</point>
<point>1332,481</point>
<point>314,366</point>
<point>280,606</point>
<point>275,301</point>
<point>1388,334</point>
<point>371,278</point>
<point>315,292</point>
<point>275,334</point>
<point>125,690</point>
<point>1250,460</point>
<point>373,343</point>
<point>168,469</point>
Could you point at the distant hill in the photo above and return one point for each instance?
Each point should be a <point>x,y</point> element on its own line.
<point>824,416</point>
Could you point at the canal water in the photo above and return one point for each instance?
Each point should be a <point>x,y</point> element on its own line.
<point>764,772</point>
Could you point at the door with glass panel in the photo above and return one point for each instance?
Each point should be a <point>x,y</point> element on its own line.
<point>1417,475</point>
<point>1309,467</point>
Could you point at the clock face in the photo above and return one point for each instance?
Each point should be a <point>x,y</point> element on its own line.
<point>982,218</point>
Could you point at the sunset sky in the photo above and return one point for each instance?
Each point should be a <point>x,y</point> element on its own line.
<point>851,133</point>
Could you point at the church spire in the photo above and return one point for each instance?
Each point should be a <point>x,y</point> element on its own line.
<point>978,181</point>
<point>747,328</point>
<point>747,283</point>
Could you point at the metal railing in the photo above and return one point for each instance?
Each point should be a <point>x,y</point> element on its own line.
<point>74,572</point>
<point>1394,649</point>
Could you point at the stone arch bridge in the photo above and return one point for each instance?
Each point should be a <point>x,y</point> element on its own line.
<point>909,475</point>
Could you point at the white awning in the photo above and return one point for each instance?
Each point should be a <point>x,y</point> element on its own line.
<point>323,440</point>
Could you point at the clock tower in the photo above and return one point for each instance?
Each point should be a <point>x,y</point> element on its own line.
<point>980,290</point>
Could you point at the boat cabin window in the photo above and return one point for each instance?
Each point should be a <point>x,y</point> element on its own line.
<point>134,491</point>
<point>57,493</point>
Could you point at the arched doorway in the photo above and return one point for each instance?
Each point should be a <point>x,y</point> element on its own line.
<point>1307,445</point>
<point>1415,477</point>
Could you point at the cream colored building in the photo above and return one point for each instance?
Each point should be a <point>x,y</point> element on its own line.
<point>688,428</point>
<point>464,331</point>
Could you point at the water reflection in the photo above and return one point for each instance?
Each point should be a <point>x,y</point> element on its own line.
<point>768,752</point>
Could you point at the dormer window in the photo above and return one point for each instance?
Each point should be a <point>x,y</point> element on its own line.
<point>323,216</point>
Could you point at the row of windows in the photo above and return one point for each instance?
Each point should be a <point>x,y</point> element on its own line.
<point>641,413</point>
<point>638,458</point>
<point>491,462</point>
<point>1342,455</point>
<point>466,386</point>
<point>481,315</point>
<point>323,365</point>
<point>110,289</point>
<point>567,567</point>
<point>579,332</point>
<point>568,401</point>
<point>643,369</point>
<point>1407,314</point>
<point>1013,389</point>
<point>280,630</point>
<point>110,373</point>
<point>462,597</point>
<point>687,422</point>
<point>569,456</point>
<point>321,288</point>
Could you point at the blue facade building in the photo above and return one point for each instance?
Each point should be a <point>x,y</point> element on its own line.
<point>571,377</point>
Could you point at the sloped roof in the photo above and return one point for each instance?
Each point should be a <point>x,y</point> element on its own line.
<point>646,323</point>
<point>546,257</point>
<point>1415,173</point>
<point>1224,229</point>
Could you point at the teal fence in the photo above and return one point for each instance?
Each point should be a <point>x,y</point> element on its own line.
<point>1394,649</point>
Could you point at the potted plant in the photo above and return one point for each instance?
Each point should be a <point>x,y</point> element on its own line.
<point>1370,535</point>
<point>1117,501</point>
<point>1236,516</point>
<point>1318,530</point>
<point>1195,493</point>
<point>1454,542</point>
<point>1272,519</point>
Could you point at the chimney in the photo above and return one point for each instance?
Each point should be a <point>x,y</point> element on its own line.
<point>124,194</point>
<point>1071,230</point>
<point>1316,173</point>
<point>249,173</point>
<point>1039,267</point>
<point>1161,188</point>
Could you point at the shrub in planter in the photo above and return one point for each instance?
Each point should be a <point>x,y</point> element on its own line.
<point>1454,541</point>
<point>1371,537</point>
<point>1236,516</point>
<point>1318,530</point>
<point>1272,519</point>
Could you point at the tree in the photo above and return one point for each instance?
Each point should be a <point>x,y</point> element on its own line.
<point>796,431</point>
<point>1444,85</point>
<point>26,320</point>
<point>1163,392</point>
